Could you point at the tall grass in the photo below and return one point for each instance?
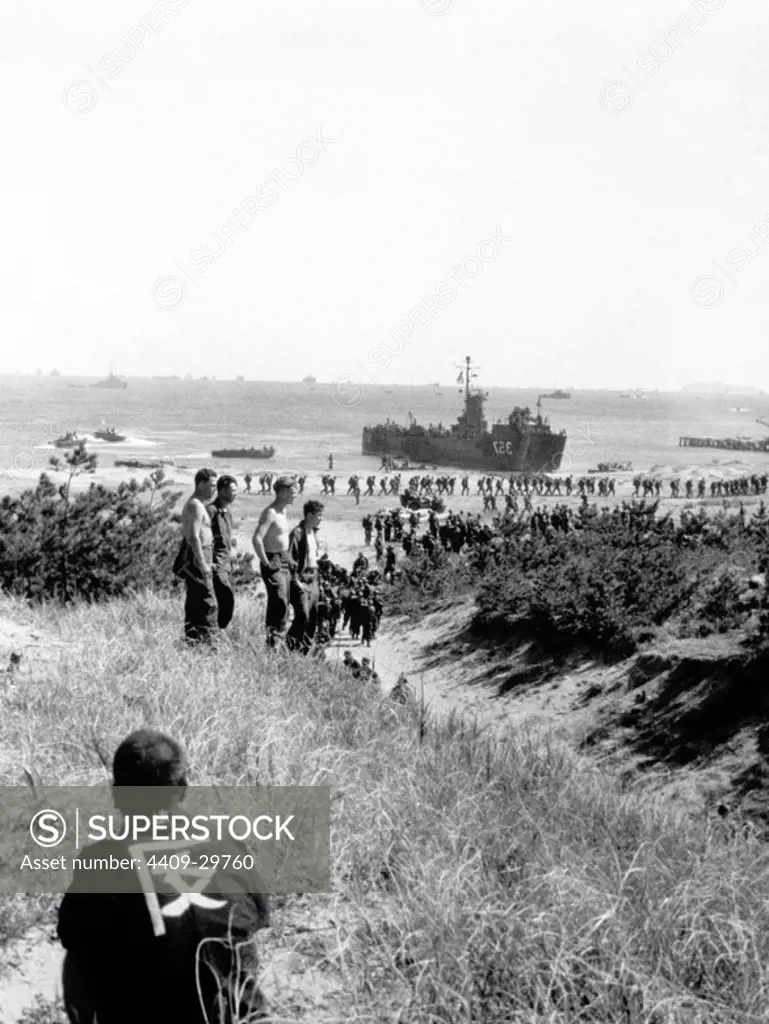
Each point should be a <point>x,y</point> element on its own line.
<point>477,877</point>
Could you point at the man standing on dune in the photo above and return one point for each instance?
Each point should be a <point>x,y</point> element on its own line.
<point>305,593</point>
<point>222,527</point>
<point>271,543</point>
<point>194,562</point>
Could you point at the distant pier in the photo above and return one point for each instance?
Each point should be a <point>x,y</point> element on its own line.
<point>734,444</point>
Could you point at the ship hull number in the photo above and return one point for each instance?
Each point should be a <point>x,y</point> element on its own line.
<point>503,447</point>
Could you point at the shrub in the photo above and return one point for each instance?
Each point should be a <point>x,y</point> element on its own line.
<point>98,544</point>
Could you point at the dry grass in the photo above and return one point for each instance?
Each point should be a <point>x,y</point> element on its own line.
<point>474,880</point>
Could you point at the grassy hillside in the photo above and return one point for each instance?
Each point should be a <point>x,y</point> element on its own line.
<point>474,879</point>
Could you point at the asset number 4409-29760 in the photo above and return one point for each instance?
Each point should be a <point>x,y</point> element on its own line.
<point>503,447</point>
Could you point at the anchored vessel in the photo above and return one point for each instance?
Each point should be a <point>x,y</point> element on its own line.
<point>111,382</point>
<point>265,452</point>
<point>523,443</point>
<point>558,393</point>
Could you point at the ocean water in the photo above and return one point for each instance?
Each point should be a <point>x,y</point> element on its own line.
<point>185,420</point>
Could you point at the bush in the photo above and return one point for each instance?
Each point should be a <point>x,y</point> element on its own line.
<point>598,583</point>
<point>99,544</point>
<point>610,576</point>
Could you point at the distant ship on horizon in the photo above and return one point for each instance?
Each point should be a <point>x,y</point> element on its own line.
<point>309,379</point>
<point>111,382</point>
<point>557,393</point>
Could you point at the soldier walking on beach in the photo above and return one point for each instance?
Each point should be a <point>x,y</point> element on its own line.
<point>331,461</point>
<point>390,559</point>
<point>194,562</point>
<point>221,527</point>
<point>271,541</point>
<point>303,555</point>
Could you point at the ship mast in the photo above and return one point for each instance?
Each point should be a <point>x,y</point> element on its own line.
<point>466,372</point>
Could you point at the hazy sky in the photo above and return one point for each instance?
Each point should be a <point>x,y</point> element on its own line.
<point>134,137</point>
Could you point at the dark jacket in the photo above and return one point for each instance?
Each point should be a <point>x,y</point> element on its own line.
<point>134,976</point>
<point>297,549</point>
<point>221,527</point>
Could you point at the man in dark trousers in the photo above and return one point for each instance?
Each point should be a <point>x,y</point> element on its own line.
<point>270,542</point>
<point>194,562</point>
<point>153,953</point>
<point>303,556</point>
<point>221,527</point>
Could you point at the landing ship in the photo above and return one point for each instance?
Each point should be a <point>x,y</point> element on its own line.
<point>524,443</point>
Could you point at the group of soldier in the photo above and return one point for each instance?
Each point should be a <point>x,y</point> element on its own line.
<point>733,487</point>
<point>265,482</point>
<point>451,532</point>
<point>494,488</point>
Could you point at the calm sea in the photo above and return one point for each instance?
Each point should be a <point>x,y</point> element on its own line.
<point>185,420</point>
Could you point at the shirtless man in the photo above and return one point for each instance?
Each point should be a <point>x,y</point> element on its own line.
<point>271,541</point>
<point>194,563</point>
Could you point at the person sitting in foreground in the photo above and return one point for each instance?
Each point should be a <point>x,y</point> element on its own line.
<point>162,957</point>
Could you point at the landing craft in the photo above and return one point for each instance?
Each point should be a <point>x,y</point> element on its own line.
<point>523,444</point>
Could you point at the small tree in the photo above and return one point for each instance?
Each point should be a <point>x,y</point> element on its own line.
<point>75,462</point>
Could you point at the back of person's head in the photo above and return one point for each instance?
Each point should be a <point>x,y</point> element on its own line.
<point>284,483</point>
<point>149,758</point>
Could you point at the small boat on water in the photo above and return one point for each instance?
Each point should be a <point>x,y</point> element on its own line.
<point>265,452</point>
<point>110,434</point>
<point>309,379</point>
<point>69,440</point>
<point>612,467</point>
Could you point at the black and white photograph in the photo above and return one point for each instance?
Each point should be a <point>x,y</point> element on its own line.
<point>384,539</point>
